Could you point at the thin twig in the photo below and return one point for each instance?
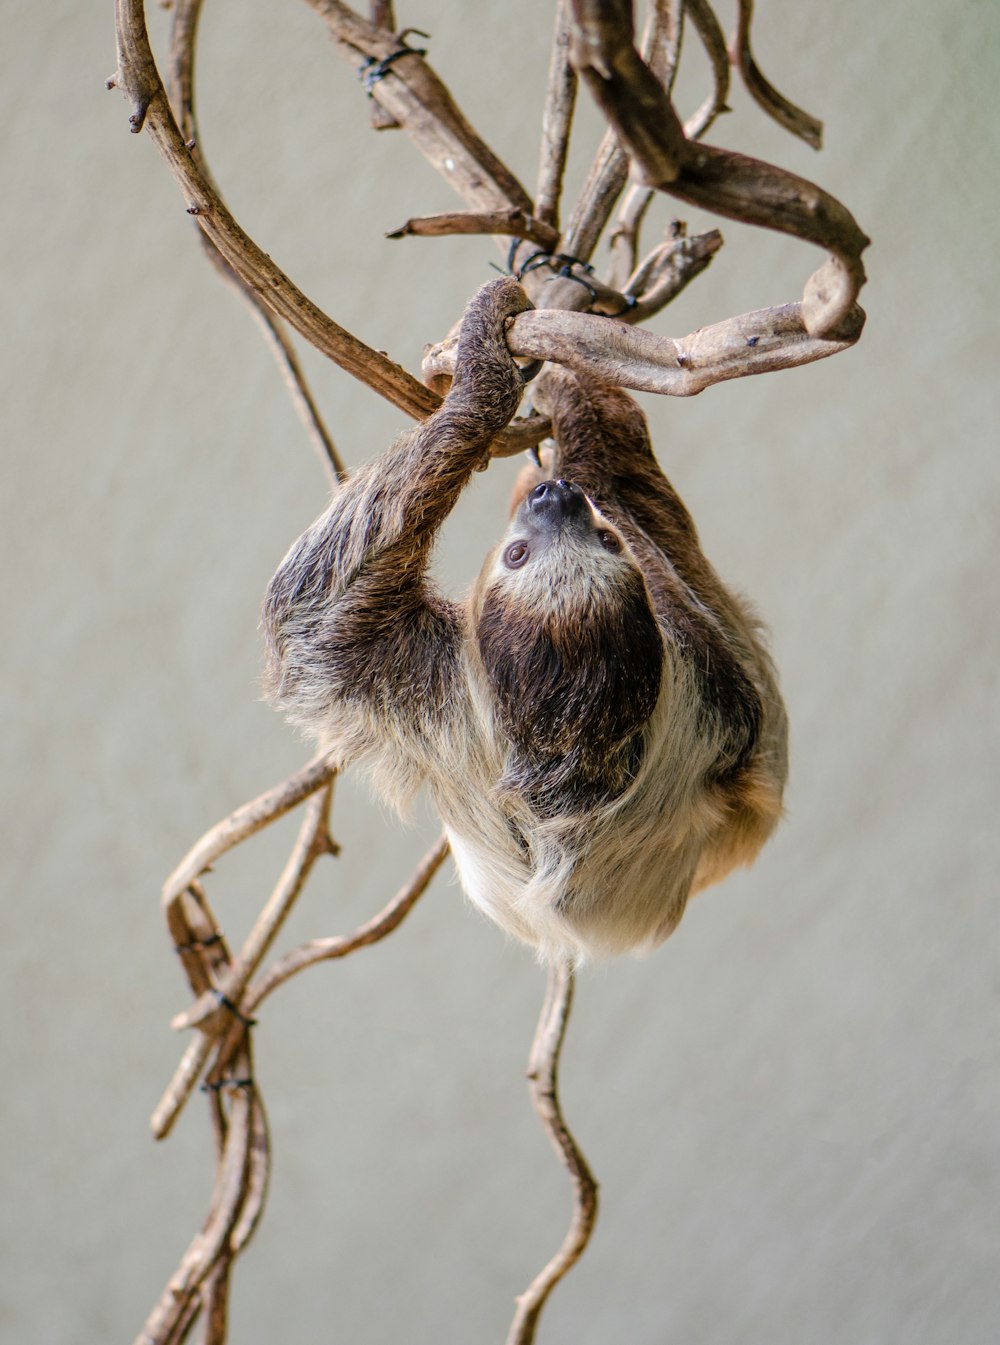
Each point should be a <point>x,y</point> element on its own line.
<point>668,270</point>
<point>324,950</point>
<point>382,15</point>
<point>180,87</point>
<point>509,223</point>
<point>311,843</point>
<point>775,104</point>
<point>246,820</point>
<point>713,40</point>
<point>557,120</point>
<point>623,244</point>
<point>207,1245</point>
<point>543,1076</point>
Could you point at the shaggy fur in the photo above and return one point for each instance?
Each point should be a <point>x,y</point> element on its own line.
<point>599,724</point>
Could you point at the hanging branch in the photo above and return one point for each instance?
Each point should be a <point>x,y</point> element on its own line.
<point>222,1014</point>
<point>139,80</point>
<point>180,82</point>
<point>786,114</point>
<point>557,120</point>
<point>543,1077</point>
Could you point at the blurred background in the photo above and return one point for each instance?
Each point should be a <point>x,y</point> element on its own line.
<point>792,1105</point>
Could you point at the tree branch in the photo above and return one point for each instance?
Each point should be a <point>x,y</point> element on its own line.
<point>613,352</point>
<point>139,80</point>
<point>778,107</point>
<point>557,119</point>
<point>510,223</point>
<point>728,183</point>
<point>413,95</point>
<point>543,1077</point>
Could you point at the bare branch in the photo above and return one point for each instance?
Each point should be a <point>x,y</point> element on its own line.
<point>624,241</point>
<point>296,385</point>
<point>180,84</point>
<point>557,119</point>
<point>543,1076</point>
<point>382,16</point>
<point>662,42</point>
<point>609,171</point>
<point>668,270</point>
<point>714,42</point>
<point>616,353</point>
<point>312,841</point>
<point>176,1301</point>
<point>245,821</point>
<point>414,96</point>
<point>720,180</point>
<point>325,950</point>
<point>140,82</point>
<point>786,114</point>
<point>511,223</point>
<point>662,48</point>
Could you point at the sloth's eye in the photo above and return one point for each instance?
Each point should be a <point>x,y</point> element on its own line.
<point>515,555</point>
<point>609,541</point>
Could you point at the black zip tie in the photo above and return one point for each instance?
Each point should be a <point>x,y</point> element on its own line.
<point>567,274</point>
<point>225,1002</point>
<point>537,259</point>
<point>196,945</point>
<point>217,1085</point>
<point>630,302</point>
<point>372,70</point>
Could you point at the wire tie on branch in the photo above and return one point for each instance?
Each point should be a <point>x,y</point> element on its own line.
<point>372,70</point>
<point>217,1085</point>
<point>224,1002</point>
<point>197,945</point>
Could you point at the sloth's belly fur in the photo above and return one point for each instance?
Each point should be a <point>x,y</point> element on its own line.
<point>613,879</point>
<point>581,901</point>
<point>609,879</point>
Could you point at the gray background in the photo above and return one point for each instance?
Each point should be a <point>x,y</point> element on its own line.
<point>791,1106</point>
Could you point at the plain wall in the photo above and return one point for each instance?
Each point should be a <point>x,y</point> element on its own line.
<point>792,1106</point>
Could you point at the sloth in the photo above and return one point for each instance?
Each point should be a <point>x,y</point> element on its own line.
<point>598,723</point>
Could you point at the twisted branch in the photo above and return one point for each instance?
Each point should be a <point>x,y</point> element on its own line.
<point>543,1077</point>
<point>731,184</point>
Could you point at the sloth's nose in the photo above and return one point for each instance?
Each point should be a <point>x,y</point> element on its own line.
<point>557,500</point>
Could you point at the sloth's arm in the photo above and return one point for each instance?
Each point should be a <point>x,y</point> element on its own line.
<point>350,614</point>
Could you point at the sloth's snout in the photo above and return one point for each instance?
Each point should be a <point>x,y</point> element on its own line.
<point>555,502</point>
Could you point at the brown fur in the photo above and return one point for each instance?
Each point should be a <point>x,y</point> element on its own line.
<point>599,726</point>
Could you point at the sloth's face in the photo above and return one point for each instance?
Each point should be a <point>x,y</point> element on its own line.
<point>560,555</point>
<point>570,644</point>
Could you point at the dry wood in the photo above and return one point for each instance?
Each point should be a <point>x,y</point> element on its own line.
<point>584,320</point>
<point>511,223</point>
<point>712,39</point>
<point>139,81</point>
<point>557,119</point>
<point>793,118</point>
<point>615,352</point>
<point>723,181</point>
<point>543,1077</point>
<point>382,16</point>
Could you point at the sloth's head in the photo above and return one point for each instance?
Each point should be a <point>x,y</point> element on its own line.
<point>570,645</point>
